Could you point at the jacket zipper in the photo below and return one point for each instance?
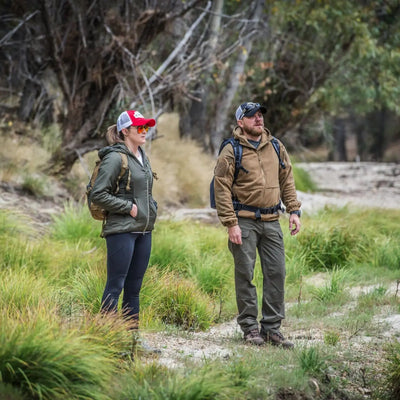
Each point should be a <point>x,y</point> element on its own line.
<point>148,204</point>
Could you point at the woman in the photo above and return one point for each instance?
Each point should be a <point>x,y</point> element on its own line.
<point>131,212</point>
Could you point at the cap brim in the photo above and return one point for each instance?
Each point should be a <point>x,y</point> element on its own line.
<point>143,121</point>
<point>252,112</point>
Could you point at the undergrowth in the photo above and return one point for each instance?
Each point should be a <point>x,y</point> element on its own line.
<point>55,344</point>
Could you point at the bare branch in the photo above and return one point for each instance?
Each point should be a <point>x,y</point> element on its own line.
<point>178,48</point>
<point>7,36</point>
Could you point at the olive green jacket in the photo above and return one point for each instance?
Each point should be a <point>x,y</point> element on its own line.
<point>265,184</point>
<point>135,186</point>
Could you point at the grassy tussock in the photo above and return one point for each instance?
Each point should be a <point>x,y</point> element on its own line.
<point>176,300</point>
<point>55,344</point>
<point>48,362</point>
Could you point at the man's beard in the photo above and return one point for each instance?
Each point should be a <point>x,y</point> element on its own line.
<point>254,132</point>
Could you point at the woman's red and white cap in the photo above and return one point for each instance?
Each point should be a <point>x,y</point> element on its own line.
<point>132,117</point>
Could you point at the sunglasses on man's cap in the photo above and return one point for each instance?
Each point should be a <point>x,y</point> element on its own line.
<point>248,110</point>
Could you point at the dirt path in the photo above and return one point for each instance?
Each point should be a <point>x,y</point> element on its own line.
<point>224,340</point>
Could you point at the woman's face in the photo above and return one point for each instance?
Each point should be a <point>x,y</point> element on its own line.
<point>137,135</point>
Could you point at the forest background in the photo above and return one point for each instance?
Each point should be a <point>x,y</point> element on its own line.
<point>328,73</point>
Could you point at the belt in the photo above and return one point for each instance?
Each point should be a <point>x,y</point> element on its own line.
<point>256,210</point>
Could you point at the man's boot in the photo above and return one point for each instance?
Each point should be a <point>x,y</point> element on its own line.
<point>276,339</point>
<point>253,337</point>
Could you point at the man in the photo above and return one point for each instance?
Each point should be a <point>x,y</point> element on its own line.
<point>249,206</point>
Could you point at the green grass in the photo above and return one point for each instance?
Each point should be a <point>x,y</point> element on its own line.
<point>75,224</point>
<point>55,344</point>
<point>48,362</point>
<point>303,180</point>
<point>392,369</point>
<point>154,382</point>
<point>334,289</point>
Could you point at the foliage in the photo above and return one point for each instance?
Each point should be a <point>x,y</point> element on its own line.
<point>55,344</point>
<point>311,361</point>
<point>47,362</point>
<point>303,180</point>
<point>392,366</point>
<point>334,289</point>
<point>207,382</point>
<point>35,185</point>
<point>327,249</point>
<point>388,253</point>
<point>308,61</point>
<point>177,301</point>
<point>331,338</point>
<point>325,60</point>
<point>74,224</point>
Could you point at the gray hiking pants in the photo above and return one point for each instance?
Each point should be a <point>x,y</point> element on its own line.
<point>267,238</point>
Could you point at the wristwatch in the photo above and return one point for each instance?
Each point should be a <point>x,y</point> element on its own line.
<point>297,212</point>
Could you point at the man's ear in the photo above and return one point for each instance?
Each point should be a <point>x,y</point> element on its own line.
<point>240,123</point>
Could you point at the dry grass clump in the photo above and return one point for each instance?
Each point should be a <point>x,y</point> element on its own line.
<point>183,169</point>
<point>20,156</point>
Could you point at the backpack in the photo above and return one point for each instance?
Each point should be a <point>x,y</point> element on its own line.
<point>96,211</point>
<point>238,152</point>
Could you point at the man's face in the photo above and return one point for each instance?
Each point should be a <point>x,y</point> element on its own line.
<point>252,126</point>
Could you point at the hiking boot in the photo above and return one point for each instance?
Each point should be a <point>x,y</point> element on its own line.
<point>253,337</point>
<point>276,339</point>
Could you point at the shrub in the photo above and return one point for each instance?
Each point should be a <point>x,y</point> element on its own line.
<point>325,249</point>
<point>47,362</point>
<point>35,185</point>
<point>177,301</point>
<point>387,253</point>
<point>75,224</point>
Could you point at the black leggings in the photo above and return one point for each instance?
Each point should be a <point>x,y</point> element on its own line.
<point>128,255</point>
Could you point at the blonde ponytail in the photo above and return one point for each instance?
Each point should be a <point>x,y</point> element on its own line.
<point>113,136</point>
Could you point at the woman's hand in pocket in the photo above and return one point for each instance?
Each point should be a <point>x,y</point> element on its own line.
<point>133,211</point>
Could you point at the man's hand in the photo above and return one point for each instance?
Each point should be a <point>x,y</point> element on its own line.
<point>294,224</point>
<point>235,234</point>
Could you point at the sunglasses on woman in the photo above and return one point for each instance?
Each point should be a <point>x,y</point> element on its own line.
<point>142,128</point>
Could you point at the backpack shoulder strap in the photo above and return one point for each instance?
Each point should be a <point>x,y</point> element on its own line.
<point>277,148</point>
<point>124,167</point>
<point>237,151</point>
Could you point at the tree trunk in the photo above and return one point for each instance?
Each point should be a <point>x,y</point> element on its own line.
<point>379,135</point>
<point>339,134</point>
<point>193,122</point>
<point>224,104</point>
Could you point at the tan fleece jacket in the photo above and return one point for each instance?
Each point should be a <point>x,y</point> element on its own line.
<point>265,184</point>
